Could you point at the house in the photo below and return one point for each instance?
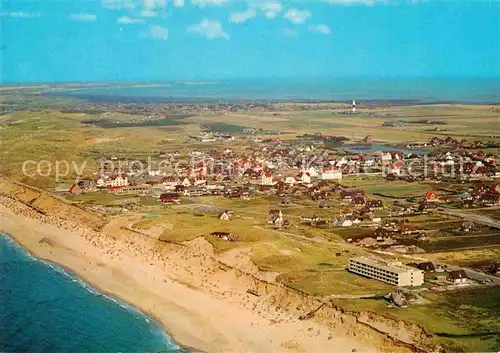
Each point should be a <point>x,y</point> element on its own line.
<point>170,198</point>
<point>467,227</point>
<point>490,199</point>
<point>365,210</point>
<point>101,182</point>
<point>375,204</point>
<point>386,157</point>
<point>457,276</point>
<point>321,195</point>
<point>309,217</point>
<point>358,200</point>
<point>266,178</point>
<point>273,216</point>
<point>313,172</point>
<point>330,173</point>
<point>382,232</point>
<point>344,223</point>
<point>87,185</point>
<point>303,177</point>
<point>408,229</point>
<point>194,191</point>
<point>75,189</point>
<point>427,206</point>
<point>225,216</point>
<point>431,196</point>
<point>119,180</point>
<point>350,194</point>
<point>224,236</point>
<point>426,266</point>
<point>495,269</point>
<point>376,220</point>
<point>186,182</point>
<point>467,203</point>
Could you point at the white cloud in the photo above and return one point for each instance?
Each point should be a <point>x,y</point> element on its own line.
<point>154,4</point>
<point>22,14</point>
<point>209,29</point>
<point>204,3</point>
<point>321,28</point>
<point>240,17</point>
<point>270,15</point>
<point>288,32</point>
<point>178,3</point>
<point>352,2</point>
<point>269,9</point>
<point>158,32</point>
<point>297,16</point>
<point>125,20</point>
<point>149,13</point>
<point>271,6</point>
<point>118,4</point>
<point>150,7</point>
<point>84,17</point>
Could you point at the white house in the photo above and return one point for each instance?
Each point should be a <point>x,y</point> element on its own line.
<point>344,223</point>
<point>266,179</point>
<point>386,156</point>
<point>186,182</point>
<point>101,182</point>
<point>119,180</point>
<point>304,177</point>
<point>313,172</point>
<point>330,173</point>
<point>457,277</point>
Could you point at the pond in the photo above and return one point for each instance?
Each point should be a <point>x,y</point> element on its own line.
<point>371,149</point>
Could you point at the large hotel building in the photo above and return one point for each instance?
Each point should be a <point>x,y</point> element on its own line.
<point>394,273</point>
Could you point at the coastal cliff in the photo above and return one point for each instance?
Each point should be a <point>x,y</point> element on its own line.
<point>214,302</point>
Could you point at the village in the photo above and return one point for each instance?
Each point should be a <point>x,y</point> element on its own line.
<point>308,186</point>
<point>397,219</point>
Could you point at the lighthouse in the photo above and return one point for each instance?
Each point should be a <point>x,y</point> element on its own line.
<point>354,106</point>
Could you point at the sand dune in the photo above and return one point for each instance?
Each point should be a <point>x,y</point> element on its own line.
<point>201,304</point>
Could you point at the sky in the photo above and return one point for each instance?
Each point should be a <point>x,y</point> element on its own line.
<point>162,40</point>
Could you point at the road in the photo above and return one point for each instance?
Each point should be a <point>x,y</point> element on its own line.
<point>476,218</point>
<point>318,240</point>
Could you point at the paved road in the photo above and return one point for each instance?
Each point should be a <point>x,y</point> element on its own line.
<point>476,218</point>
<point>318,240</point>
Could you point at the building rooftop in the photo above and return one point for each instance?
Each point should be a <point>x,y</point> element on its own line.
<point>395,267</point>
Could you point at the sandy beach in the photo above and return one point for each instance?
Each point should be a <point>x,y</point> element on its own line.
<point>201,304</point>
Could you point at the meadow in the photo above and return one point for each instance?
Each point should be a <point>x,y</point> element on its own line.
<point>311,259</point>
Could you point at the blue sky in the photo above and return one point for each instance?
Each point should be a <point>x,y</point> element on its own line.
<point>118,40</point>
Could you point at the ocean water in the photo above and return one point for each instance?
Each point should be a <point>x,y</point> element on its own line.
<point>414,90</point>
<point>45,309</point>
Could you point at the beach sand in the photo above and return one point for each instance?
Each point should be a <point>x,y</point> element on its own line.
<point>200,305</point>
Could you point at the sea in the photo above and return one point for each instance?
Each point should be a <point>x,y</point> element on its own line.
<point>44,308</point>
<point>475,90</point>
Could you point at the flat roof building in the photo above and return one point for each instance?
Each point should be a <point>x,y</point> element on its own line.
<point>394,273</point>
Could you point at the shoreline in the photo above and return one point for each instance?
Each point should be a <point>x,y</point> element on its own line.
<point>368,103</point>
<point>200,303</point>
<point>77,266</point>
<point>109,296</point>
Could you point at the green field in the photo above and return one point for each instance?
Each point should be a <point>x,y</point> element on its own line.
<point>463,321</point>
<point>303,257</point>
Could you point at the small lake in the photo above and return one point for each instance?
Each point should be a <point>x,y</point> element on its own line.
<point>371,149</point>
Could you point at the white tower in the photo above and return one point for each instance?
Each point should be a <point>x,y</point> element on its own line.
<point>354,106</point>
